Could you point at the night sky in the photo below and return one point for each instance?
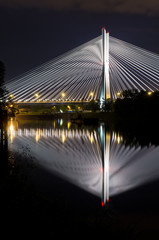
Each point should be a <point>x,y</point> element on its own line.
<point>35,31</point>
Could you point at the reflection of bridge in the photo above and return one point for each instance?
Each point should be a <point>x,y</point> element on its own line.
<point>97,70</point>
<point>95,160</point>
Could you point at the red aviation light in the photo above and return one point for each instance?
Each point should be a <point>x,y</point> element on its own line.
<point>107,200</point>
<point>102,204</point>
<point>103,28</point>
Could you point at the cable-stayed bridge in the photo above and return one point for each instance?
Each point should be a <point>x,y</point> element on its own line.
<point>97,70</point>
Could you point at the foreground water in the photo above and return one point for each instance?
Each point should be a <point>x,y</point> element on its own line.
<point>77,177</point>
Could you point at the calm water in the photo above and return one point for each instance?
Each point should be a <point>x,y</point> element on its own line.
<point>75,154</point>
<point>98,163</point>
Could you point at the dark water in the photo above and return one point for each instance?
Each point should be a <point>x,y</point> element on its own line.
<point>72,179</point>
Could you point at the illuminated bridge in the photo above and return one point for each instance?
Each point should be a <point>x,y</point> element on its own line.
<point>98,70</point>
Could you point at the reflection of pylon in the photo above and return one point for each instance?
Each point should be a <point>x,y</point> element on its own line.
<point>105,88</point>
<point>105,147</point>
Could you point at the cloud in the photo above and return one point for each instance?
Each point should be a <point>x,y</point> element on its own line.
<point>111,6</point>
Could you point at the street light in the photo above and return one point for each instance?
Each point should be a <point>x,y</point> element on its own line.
<point>149,93</point>
<point>36,95</point>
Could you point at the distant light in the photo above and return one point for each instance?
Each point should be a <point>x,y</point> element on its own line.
<point>118,93</point>
<point>11,95</point>
<point>102,204</point>
<point>149,93</point>
<point>91,94</point>
<point>36,95</point>
<point>63,94</point>
<point>107,200</point>
<point>103,28</point>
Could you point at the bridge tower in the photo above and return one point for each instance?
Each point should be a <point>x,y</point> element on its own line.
<point>105,88</point>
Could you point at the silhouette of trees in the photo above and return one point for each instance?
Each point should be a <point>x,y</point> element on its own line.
<point>93,106</point>
<point>2,87</point>
<point>6,105</point>
<point>137,102</point>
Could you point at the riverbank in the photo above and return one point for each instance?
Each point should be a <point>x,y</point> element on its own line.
<point>89,117</point>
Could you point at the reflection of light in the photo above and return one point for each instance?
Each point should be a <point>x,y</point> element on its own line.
<point>91,138</point>
<point>68,125</point>
<point>101,131</point>
<point>117,138</point>
<point>37,136</point>
<point>11,131</point>
<point>63,137</point>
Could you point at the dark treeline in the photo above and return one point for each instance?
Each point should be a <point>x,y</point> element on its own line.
<point>6,104</point>
<point>132,102</point>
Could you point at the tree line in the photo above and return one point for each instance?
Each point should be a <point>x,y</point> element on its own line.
<point>6,105</point>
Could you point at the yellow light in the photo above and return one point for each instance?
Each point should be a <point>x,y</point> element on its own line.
<point>11,95</point>
<point>36,95</point>
<point>69,107</point>
<point>11,105</point>
<point>149,93</point>
<point>12,132</point>
<point>37,136</point>
<point>118,139</point>
<point>68,125</point>
<point>63,94</point>
<point>91,94</point>
<point>118,93</point>
<point>91,138</point>
<point>63,137</point>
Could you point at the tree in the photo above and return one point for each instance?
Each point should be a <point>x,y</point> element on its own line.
<point>5,101</point>
<point>93,106</point>
<point>2,88</point>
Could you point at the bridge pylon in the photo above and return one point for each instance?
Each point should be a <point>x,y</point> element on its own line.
<point>105,88</point>
<point>105,139</point>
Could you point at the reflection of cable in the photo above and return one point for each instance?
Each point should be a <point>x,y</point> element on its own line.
<point>84,158</point>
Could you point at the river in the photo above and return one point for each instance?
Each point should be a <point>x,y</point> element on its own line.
<point>68,177</point>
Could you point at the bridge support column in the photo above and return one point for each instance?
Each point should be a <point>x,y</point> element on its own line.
<point>105,88</point>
